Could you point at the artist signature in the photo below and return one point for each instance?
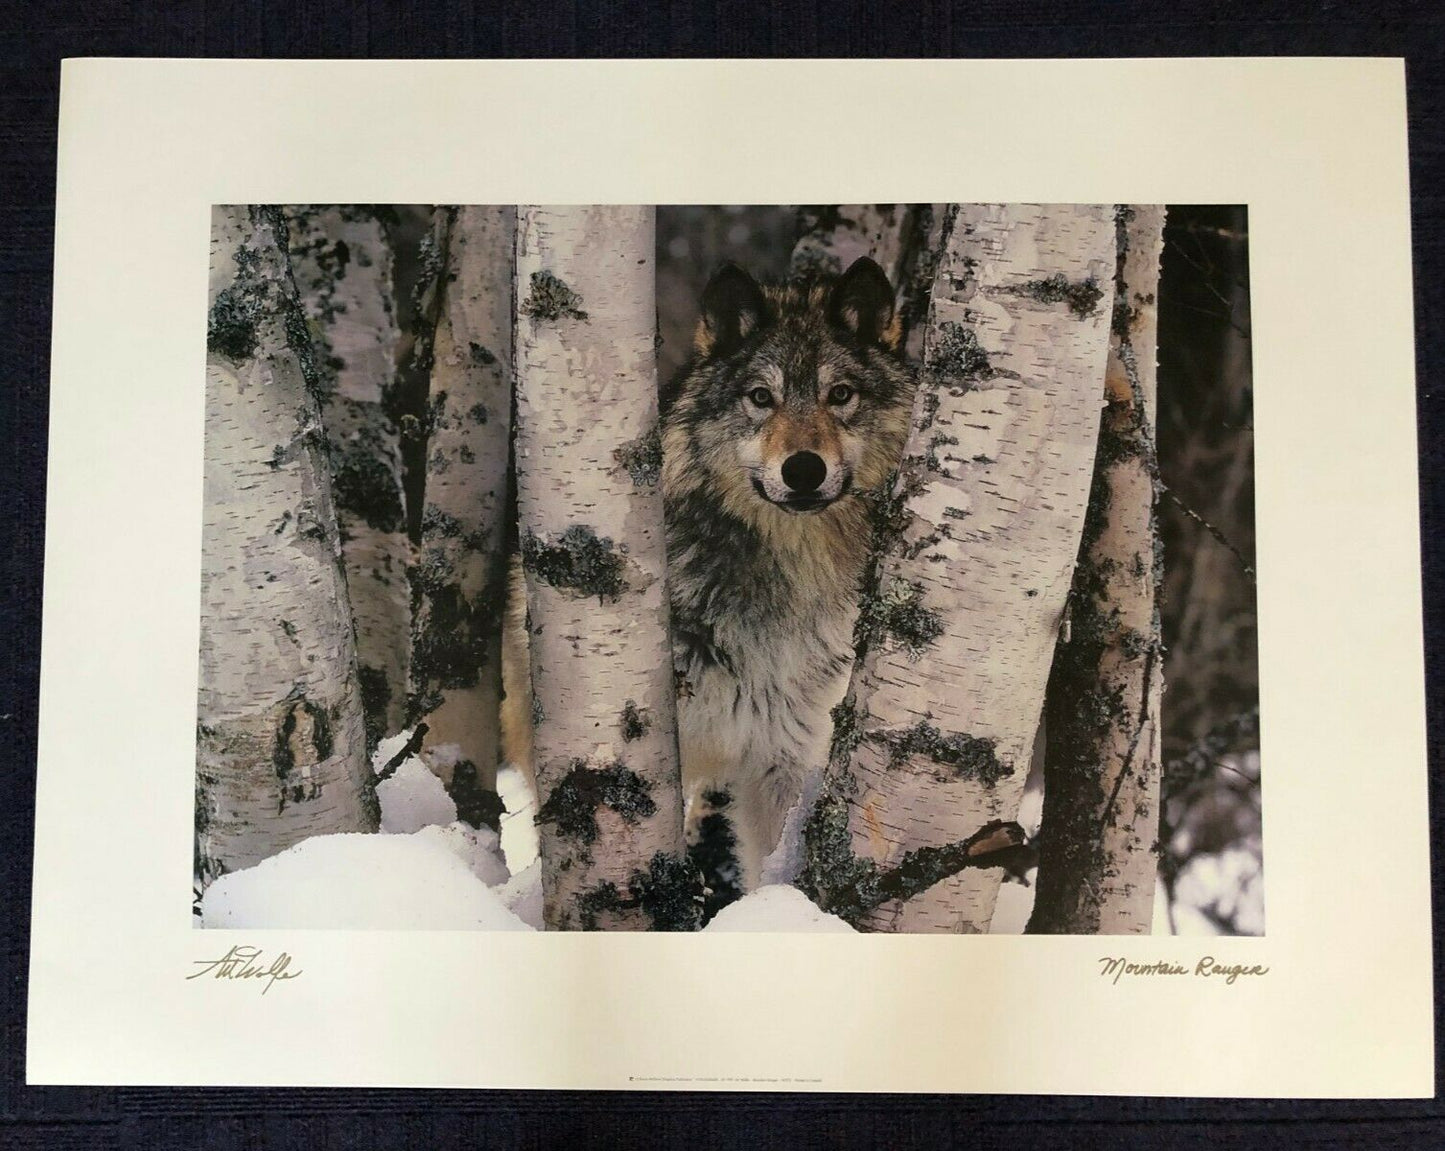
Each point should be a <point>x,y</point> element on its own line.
<point>1116,967</point>
<point>242,962</point>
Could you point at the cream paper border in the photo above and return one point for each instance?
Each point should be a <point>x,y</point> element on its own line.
<point>1316,148</point>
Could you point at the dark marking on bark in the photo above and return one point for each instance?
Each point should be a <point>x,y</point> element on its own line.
<point>231,325</point>
<point>579,561</point>
<point>939,440</point>
<point>668,892</point>
<point>365,487</point>
<point>574,802</point>
<point>551,299</point>
<point>844,885</point>
<point>375,698</point>
<point>965,756</point>
<point>897,612</point>
<point>635,721</point>
<point>642,458</point>
<point>477,805</point>
<point>957,354</point>
<point>1082,296</point>
<point>847,731</point>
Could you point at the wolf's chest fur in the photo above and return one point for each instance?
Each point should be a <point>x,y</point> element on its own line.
<point>763,626</point>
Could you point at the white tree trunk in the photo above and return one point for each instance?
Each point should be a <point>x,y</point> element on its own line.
<point>978,545</point>
<point>342,265</point>
<point>460,576</point>
<point>281,752</point>
<point>591,524</point>
<point>1097,862</point>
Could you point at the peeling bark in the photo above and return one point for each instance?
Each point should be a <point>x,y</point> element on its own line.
<point>459,581</point>
<point>342,265</point>
<point>281,751</point>
<point>593,555</point>
<point>975,552</point>
<point>1097,857</point>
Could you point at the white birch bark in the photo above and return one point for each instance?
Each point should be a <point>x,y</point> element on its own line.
<point>460,576</point>
<point>343,269</point>
<point>957,628</point>
<point>591,524</point>
<point>281,753</point>
<point>1097,862</point>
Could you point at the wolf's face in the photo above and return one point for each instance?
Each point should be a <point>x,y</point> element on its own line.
<point>797,398</point>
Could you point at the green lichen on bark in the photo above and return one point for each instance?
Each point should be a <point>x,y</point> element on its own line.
<point>841,883</point>
<point>956,354</point>
<point>1081,296</point>
<point>897,613</point>
<point>964,756</point>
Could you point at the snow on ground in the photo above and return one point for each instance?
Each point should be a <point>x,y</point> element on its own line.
<point>413,798</point>
<point>360,882</point>
<point>428,870</point>
<point>776,907</point>
<point>523,894</point>
<point>477,847</point>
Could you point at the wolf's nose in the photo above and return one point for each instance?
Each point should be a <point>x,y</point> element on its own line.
<point>804,471</point>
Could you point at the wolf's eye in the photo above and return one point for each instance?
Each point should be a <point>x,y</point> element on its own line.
<point>840,394</point>
<point>761,397</point>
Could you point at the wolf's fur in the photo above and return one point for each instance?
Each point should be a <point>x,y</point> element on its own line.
<point>764,598</point>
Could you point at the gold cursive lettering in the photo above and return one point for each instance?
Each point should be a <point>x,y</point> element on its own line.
<point>243,962</point>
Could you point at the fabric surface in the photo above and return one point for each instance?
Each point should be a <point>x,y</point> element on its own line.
<point>33,38</point>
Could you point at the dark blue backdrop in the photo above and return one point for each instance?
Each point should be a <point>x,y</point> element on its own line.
<point>33,39</point>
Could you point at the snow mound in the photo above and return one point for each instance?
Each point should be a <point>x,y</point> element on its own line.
<point>776,907</point>
<point>523,895</point>
<point>360,882</point>
<point>478,847</point>
<point>413,798</point>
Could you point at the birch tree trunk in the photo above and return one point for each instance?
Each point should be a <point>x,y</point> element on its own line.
<point>1097,856</point>
<point>281,752</point>
<point>588,460</point>
<point>976,548</point>
<point>343,269</point>
<point>460,577</point>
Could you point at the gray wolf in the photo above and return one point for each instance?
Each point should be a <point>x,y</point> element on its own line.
<point>791,414</point>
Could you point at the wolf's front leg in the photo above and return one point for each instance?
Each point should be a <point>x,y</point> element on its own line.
<point>760,810</point>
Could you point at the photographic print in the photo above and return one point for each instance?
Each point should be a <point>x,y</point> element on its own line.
<point>601,604</point>
<point>850,568</point>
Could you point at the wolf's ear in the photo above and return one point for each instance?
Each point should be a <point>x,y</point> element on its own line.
<point>733,308</point>
<point>862,303</point>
